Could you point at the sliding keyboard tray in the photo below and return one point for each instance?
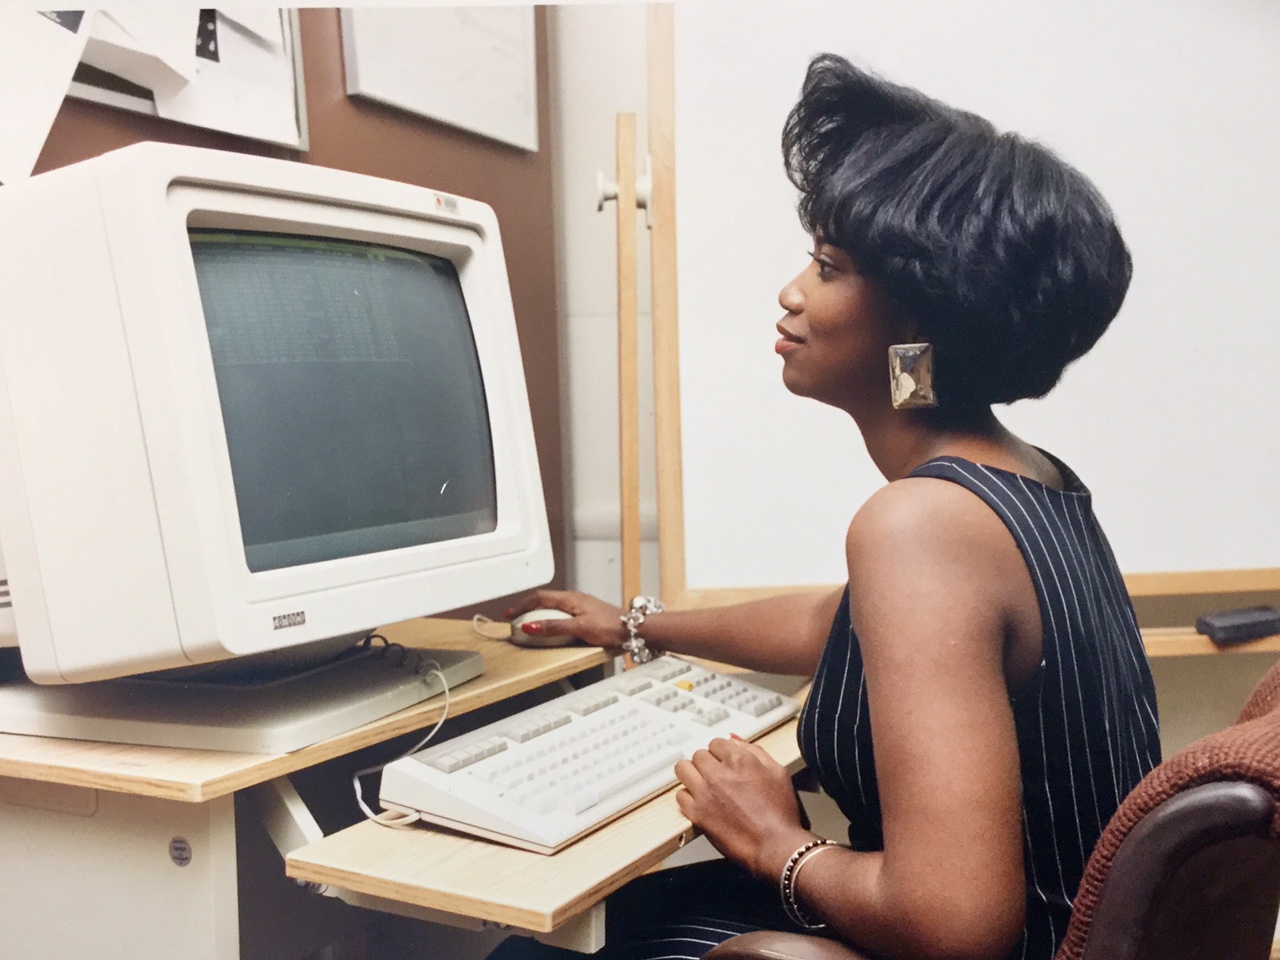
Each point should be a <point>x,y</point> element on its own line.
<point>471,878</point>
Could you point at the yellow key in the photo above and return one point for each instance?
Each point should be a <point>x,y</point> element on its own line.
<point>684,684</point>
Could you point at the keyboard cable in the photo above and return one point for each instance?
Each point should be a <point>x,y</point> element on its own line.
<point>392,818</point>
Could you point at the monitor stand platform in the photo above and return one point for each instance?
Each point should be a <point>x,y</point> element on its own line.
<point>270,715</point>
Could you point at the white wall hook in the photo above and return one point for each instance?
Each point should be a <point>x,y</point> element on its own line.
<point>605,191</point>
<point>644,191</point>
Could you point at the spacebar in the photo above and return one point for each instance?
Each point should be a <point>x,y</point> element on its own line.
<point>611,786</point>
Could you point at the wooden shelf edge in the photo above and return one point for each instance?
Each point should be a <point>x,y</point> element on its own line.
<point>1185,642</point>
<point>1181,583</point>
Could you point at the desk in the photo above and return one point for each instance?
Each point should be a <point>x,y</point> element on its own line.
<point>87,869</point>
<point>125,851</point>
<point>449,874</point>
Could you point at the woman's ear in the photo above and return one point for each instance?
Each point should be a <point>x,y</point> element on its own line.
<point>905,326</point>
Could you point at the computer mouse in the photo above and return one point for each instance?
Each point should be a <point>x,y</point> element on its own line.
<point>522,639</point>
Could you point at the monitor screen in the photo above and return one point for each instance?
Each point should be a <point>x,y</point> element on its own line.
<point>351,395</point>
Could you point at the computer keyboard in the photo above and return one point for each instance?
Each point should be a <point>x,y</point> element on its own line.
<point>544,777</point>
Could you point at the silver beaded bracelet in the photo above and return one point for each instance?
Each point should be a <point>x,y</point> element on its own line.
<point>787,883</point>
<point>633,619</point>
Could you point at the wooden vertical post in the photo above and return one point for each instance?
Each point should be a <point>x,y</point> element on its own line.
<point>628,358</point>
<point>662,254</point>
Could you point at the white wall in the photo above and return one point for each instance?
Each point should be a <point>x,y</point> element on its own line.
<point>1168,105</point>
<point>1187,430</point>
<point>598,70</point>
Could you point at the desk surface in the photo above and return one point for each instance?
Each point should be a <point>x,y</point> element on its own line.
<point>200,775</point>
<point>434,868</point>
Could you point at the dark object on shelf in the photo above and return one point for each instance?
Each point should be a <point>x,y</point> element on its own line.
<point>1227,627</point>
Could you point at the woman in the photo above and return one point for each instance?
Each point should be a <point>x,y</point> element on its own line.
<point>981,699</point>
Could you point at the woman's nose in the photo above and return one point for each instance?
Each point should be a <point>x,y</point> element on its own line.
<point>789,297</point>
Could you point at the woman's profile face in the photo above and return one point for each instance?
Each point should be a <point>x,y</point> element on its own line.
<point>835,336</point>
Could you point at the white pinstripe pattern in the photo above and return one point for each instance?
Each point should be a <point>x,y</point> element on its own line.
<point>1076,574</point>
<point>1087,731</point>
<point>1052,630</point>
<point>1108,677</point>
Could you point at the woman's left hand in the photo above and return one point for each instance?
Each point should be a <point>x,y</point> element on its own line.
<point>743,800</point>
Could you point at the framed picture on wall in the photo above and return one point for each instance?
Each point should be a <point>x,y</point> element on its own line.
<point>474,68</point>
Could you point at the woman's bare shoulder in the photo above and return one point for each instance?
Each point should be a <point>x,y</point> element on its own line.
<point>923,511</point>
<point>921,530</point>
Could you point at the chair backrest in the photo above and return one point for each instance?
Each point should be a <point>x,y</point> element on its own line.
<point>1189,866</point>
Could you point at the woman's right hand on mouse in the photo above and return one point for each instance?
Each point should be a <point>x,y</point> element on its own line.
<point>593,621</point>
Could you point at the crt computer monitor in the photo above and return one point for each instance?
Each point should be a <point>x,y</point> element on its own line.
<point>248,405</point>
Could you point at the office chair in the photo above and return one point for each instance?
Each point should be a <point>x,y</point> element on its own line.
<point>1187,869</point>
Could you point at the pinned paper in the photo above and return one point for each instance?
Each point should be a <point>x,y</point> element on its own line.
<point>38,56</point>
<point>147,44</point>
<point>244,80</point>
<point>262,22</point>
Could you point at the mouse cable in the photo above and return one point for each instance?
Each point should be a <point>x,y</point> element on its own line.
<point>390,818</point>
<point>485,627</point>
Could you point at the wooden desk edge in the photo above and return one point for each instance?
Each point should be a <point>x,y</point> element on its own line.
<point>504,913</point>
<point>196,776</point>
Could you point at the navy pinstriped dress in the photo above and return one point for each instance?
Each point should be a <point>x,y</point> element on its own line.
<point>1086,730</point>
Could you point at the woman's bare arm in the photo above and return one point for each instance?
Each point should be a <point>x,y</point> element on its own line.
<point>783,634</point>
<point>934,576</point>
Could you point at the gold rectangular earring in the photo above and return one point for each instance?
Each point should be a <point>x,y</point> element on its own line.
<point>911,376</point>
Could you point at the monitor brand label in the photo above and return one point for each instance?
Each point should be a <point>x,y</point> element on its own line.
<point>283,620</point>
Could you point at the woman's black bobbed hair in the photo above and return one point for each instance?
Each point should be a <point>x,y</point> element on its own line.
<point>1006,258</point>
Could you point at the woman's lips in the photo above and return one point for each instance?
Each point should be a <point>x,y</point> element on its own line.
<point>787,342</point>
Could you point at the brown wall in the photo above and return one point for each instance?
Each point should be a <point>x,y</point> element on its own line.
<point>368,138</point>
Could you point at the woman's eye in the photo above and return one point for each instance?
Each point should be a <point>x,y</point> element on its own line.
<point>826,269</point>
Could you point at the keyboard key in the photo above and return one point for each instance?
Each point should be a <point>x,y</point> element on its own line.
<point>709,716</point>
<point>660,696</point>
<point>462,757</point>
<point>588,705</point>
<point>536,726</point>
<point>667,668</point>
<point>624,777</point>
<point>759,706</point>
<point>678,703</point>
<point>630,686</point>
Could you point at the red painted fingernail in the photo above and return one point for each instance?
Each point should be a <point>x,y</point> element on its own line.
<point>510,612</point>
<point>734,736</point>
<point>534,628</point>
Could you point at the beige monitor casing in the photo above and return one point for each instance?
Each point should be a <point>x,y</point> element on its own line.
<point>118,518</point>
